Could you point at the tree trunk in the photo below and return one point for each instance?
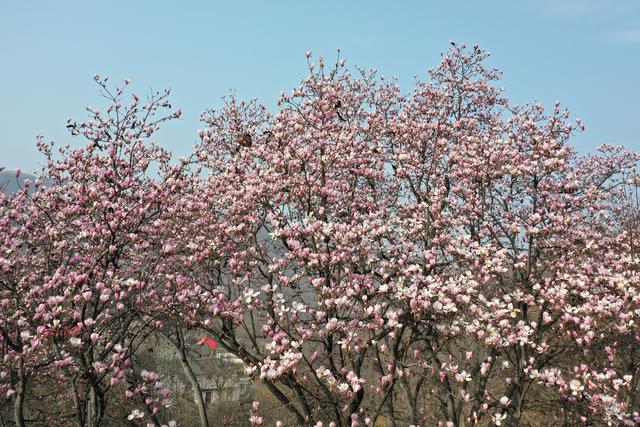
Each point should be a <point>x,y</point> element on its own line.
<point>18,409</point>
<point>92,416</point>
<point>18,403</point>
<point>77,404</point>
<point>18,413</point>
<point>178,343</point>
<point>516,396</point>
<point>195,387</point>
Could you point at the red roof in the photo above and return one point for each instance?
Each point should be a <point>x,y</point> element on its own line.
<point>208,341</point>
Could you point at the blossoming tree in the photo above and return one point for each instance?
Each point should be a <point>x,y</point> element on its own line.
<point>73,269</point>
<point>437,257</point>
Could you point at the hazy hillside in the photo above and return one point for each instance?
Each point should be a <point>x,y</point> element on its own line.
<point>9,183</point>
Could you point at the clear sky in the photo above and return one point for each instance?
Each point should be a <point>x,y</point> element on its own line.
<point>585,53</point>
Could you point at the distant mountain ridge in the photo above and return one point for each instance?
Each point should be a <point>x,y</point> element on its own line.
<point>10,184</point>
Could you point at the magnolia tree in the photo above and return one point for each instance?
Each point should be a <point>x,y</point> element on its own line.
<point>75,267</point>
<point>441,257</point>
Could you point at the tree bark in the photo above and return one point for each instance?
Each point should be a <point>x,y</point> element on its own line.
<point>95,413</point>
<point>195,387</point>
<point>18,403</point>
<point>178,343</point>
<point>77,404</point>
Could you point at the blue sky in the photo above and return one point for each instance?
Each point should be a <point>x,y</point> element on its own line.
<point>585,53</point>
